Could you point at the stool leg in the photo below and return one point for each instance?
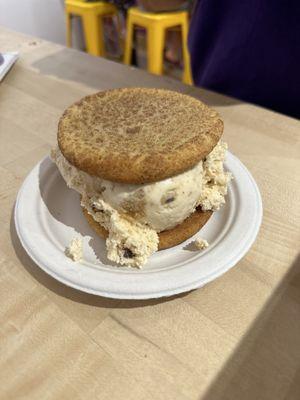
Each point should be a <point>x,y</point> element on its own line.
<point>155,47</point>
<point>119,33</point>
<point>187,74</point>
<point>93,33</point>
<point>69,29</point>
<point>128,41</point>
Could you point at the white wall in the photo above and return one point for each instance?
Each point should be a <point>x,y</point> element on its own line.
<point>41,18</point>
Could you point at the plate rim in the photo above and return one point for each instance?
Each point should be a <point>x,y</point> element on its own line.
<point>197,283</point>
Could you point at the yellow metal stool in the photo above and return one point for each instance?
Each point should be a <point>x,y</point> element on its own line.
<point>91,14</point>
<point>156,24</point>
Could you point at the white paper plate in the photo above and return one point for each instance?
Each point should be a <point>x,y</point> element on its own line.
<point>48,216</point>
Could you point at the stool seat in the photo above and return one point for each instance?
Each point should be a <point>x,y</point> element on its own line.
<point>150,16</point>
<point>156,25</point>
<point>100,6</point>
<point>91,14</point>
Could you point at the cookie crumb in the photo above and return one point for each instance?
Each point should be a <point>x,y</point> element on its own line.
<point>201,244</point>
<point>75,249</point>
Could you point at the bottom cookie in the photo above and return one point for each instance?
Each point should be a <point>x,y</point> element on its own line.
<point>169,238</point>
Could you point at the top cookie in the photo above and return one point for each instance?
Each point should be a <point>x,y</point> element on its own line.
<point>137,135</point>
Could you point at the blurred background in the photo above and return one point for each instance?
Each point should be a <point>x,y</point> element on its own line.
<point>35,18</point>
<point>248,50</point>
<point>46,19</point>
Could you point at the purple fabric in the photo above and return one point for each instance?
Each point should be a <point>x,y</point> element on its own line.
<point>249,49</point>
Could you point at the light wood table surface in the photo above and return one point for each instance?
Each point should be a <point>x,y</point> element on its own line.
<point>236,338</point>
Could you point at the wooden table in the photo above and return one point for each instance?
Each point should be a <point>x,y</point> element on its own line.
<point>237,338</point>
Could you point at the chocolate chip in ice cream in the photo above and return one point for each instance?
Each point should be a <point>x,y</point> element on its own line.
<point>168,197</point>
<point>128,253</point>
<point>96,209</point>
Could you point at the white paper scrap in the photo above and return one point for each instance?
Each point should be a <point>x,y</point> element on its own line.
<point>7,60</point>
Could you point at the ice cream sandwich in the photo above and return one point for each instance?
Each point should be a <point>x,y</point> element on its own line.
<point>148,164</point>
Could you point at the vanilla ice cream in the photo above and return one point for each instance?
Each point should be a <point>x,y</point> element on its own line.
<point>133,214</point>
<point>75,249</point>
<point>201,244</point>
